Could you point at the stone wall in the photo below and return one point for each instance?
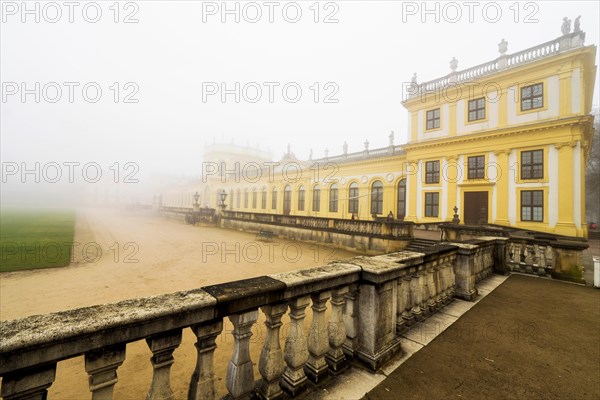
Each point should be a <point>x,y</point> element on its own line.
<point>370,237</point>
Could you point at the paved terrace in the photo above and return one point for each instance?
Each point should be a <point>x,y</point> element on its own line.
<point>530,338</point>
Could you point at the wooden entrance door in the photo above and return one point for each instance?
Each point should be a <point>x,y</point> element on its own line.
<point>476,208</point>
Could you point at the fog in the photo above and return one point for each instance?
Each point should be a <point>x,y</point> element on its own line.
<point>138,89</point>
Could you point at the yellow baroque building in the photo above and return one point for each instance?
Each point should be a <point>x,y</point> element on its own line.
<point>504,142</point>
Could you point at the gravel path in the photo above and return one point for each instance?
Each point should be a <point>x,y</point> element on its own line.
<point>143,255</point>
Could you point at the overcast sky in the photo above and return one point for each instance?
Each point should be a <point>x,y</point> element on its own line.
<point>178,53</point>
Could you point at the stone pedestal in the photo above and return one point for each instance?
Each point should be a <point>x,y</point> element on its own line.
<point>377,326</point>
<point>465,271</point>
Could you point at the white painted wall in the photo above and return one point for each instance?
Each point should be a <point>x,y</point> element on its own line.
<point>461,117</point>
<point>576,91</point>
<point>422,134</point>
<point>552,98</point>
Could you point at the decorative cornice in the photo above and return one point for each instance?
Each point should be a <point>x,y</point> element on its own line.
<point>504,132</point>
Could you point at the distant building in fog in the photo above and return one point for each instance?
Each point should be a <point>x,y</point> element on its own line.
<point>505,142</point>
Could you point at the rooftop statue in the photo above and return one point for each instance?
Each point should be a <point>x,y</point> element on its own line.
<point>566,26</point>
<point>577,24</point>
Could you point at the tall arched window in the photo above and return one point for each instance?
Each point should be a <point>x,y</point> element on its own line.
<point>239,199</point>
<point>231,198</point>
<point>401,199</point>
<point>287,200</point>
<point>316,201</point>
<point>254,198</point>
<point>333,198</point>
<point>353,198</point>
<point>245,198</point>
<point>263,199</point>
<point>301,198</point>
<point>274,199</point>
<point>377,198</point>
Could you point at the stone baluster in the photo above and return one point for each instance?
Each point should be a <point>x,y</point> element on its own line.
<point>443,279</point>
<point>423,277</point>
<point>402,288</point>
<point>271,363</point>
<point>240,375</point>
<point>202,384</point>
<point>437,277</point>
<point>407,315</point>
<point>101,366</point>
<point>351,322</point>
<point>451,280</point>
<point>430,284</point>
<point>30,384</point>
<point>293,380</point>
<point>416,296</point>
<point>162,347</point>
<point>337,332</point>
<point>316,368</point>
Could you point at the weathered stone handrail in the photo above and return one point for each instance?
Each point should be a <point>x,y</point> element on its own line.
<point>372,300</point>
<point>379,228</point>
<point>532,252</point>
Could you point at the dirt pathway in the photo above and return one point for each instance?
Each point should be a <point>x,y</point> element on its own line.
<point>122,256</point>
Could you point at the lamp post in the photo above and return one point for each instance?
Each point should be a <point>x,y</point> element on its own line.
<point>223,197</point>
<point>196,197</point>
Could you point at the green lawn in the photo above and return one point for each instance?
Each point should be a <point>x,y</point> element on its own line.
<point>35,238</point>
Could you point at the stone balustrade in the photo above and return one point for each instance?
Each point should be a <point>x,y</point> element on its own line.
<point>369,300</point>
<point>532,252</point>
<point>503,62</point>
<point>369,236</point>
<point>381,228</point>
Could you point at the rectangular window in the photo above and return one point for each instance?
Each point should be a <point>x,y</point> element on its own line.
<point>263,200</point>
<point>532,97</point>
<point>432,204</point>
<point>433,119</point>
<point>274,199</point>
<point>432,172</point>
<point>476,109</point>
<point>246,199</point>
<point>254,199</point>
<point>532,205</point>
<point>476,167</point>
<point>532,164</point>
